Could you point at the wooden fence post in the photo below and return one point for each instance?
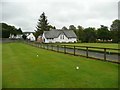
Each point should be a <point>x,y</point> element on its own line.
<point>74,50</point>
<point>87,52</point>
<point>64,49</point>
<point>52,47</point>
<point>104,53</point>
<point>47,46</point>
<point>57,48</point>
<point>40,45</point>
<point>43,46</point>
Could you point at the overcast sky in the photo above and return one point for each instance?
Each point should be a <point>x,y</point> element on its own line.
<point>87,13</point>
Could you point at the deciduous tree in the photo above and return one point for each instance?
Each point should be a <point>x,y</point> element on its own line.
<point>103,33</point>
<point>89,35</point>
<point>115,30</point>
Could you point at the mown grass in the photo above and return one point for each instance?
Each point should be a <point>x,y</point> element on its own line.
<point>23,69</point>
<point>0,66</point>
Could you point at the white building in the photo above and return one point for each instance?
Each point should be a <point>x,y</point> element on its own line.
<point>31,37</point>
<point>18,36</point>
<point>54,36</point>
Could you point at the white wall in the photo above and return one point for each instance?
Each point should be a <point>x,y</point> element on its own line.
<point>61,38</point>
<point>31,37</point>
<point>15,37</point>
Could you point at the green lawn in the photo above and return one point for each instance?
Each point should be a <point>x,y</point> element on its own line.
<point>23,69</point>
<point>0,65</point>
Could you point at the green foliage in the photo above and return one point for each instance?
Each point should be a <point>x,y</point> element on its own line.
<point>103,33</point>
<point>24,37</point>
<point>89,35</point>
<point>6,30</point>
<point>72,27</point>
<point>19,31</point>
<point>80,33</point>
<point>84,35</point>
<point>42,25</point>
<point>51,27</point>
<point>64,28</point>
<point>5,33</point>
<point>115,30</point>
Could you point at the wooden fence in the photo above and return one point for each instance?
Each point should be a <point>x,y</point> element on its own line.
<point>105,54</point>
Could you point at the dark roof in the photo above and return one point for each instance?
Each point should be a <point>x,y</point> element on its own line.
<point>27,32</point>
<point>56,32</point>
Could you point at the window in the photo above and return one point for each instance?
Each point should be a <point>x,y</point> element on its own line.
<point>60,36</point>
<point>63,36</point>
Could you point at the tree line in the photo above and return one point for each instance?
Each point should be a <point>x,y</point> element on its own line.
<point>90,34</point>
<point>6,30</point>
<point>102,34</point>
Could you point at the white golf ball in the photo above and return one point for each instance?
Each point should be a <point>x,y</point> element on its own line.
<point>37,55</point>
<point>77,67</point>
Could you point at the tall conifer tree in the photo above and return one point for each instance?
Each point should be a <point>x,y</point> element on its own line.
<point>42,25</point>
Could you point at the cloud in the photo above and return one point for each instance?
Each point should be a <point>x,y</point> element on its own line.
<point>119,10</point>
<point>25,13</point>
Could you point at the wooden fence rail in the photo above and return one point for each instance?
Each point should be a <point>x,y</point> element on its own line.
<point>74,50</point>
